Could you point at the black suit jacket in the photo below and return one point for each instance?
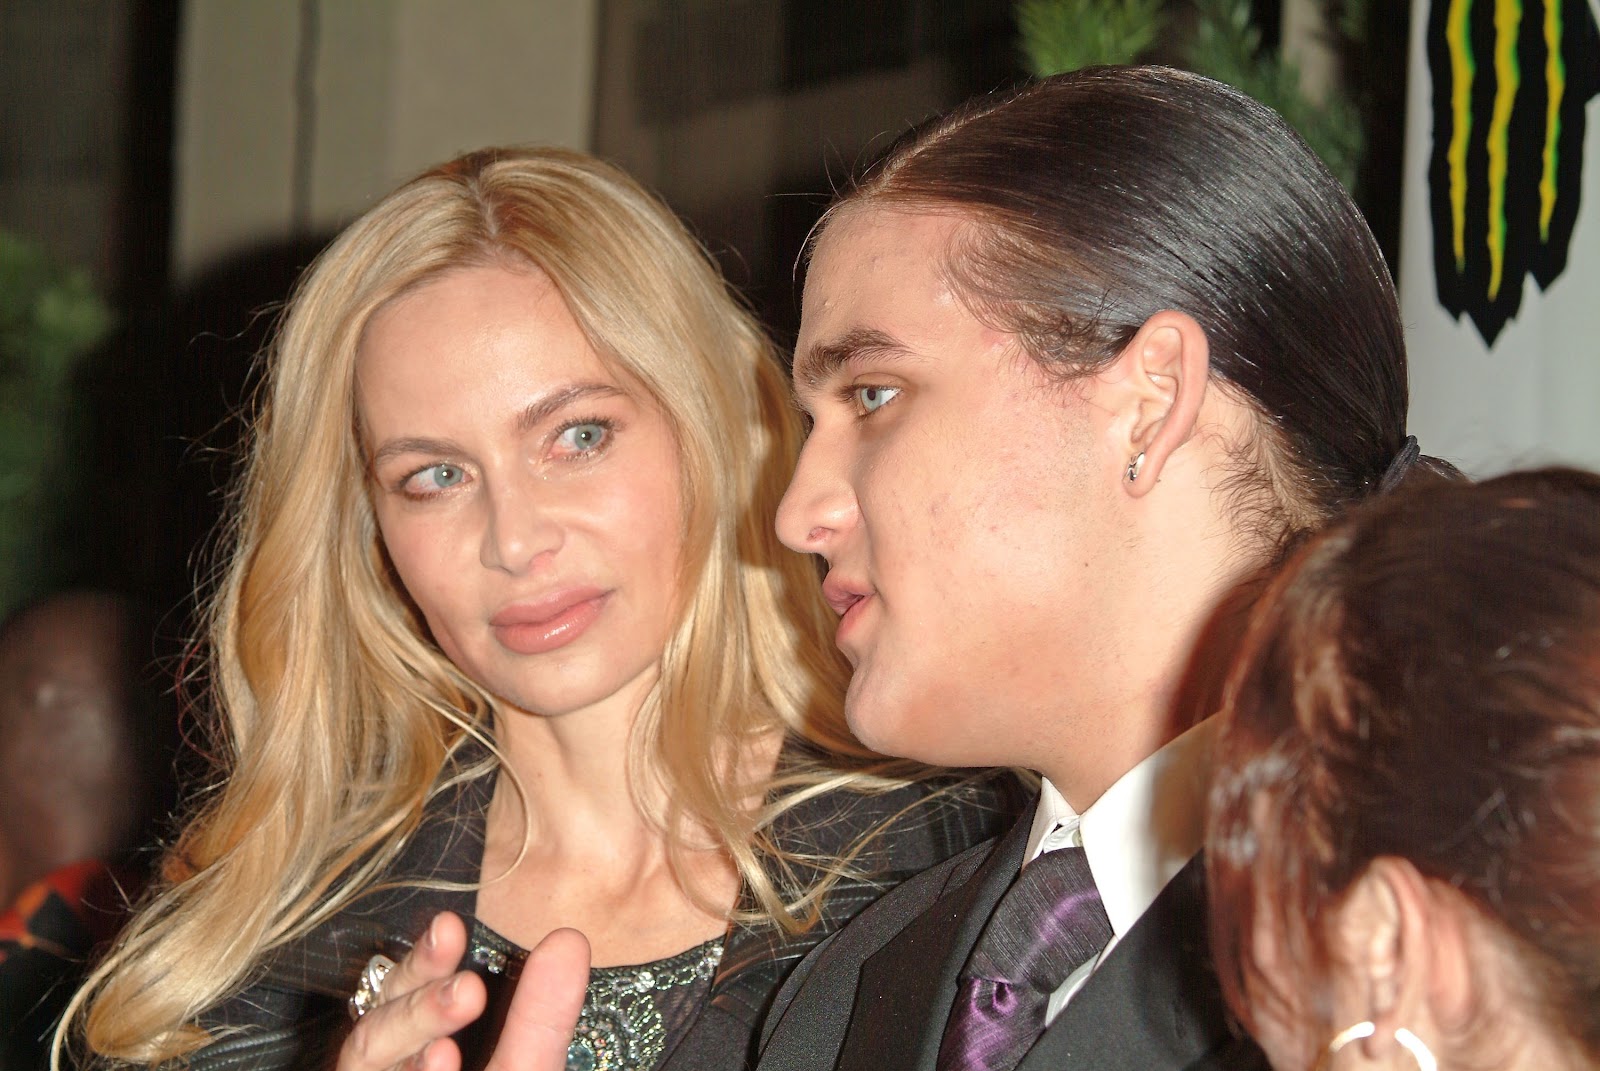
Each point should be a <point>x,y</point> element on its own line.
<point>877,994</point>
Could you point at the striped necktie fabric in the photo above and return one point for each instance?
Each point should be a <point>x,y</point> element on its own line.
<point>1047,924</point>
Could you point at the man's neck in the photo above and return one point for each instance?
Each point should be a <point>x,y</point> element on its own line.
<point>1142,830</point>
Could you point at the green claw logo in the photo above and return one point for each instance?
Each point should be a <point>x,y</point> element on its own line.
<point>1510,82</point>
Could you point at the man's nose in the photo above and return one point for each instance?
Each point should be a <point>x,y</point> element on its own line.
<point>820,503</point>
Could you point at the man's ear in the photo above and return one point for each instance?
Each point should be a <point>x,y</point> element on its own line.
<point>1156,385</point>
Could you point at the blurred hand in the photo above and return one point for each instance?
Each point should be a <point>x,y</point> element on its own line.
<point>425,1000</point>
<point>544,1009</point>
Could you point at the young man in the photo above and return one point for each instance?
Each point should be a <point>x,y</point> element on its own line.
<point>1078,362</point>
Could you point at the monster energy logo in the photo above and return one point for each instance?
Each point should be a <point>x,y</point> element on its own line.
<point>1510,82</point>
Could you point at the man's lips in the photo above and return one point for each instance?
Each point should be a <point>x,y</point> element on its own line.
<point>848,599</point>
<point>549,622</point>
<point>843,594</point>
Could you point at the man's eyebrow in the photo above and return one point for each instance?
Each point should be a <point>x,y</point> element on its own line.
<point>817,365</point>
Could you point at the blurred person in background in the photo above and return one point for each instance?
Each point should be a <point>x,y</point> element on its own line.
<point>82,736</point>
<point>86,748</point>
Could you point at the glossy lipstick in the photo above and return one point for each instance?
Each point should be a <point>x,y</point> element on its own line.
<point>549,623</point>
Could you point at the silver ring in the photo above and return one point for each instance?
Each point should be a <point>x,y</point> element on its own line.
<point>370,986</point>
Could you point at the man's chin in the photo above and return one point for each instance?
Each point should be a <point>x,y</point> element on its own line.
<point>925,728</point>
<point>866,713</point>
<point>885,721</point>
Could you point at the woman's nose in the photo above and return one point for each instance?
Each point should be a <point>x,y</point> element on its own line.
<point>520,527</point>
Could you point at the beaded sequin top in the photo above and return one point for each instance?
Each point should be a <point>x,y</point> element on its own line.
<point>632,1016</point>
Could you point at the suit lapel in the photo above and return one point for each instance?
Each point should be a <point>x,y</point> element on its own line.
<point>908,986</point>
<point>1154,1003</point>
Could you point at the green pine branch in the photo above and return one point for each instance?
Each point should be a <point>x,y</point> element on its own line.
<point>50,319</point>
<point>1063,35</point>
<point>1227,47</point>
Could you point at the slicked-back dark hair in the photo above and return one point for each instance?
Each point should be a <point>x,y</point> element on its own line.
<point>1106,195</point>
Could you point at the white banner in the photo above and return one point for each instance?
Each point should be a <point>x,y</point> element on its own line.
<point>1500,246</point>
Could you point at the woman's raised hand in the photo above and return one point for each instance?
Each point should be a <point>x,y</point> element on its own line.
<point>544,1009</point>
<point>425,999</point>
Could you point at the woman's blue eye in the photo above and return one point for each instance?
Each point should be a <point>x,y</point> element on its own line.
<point>436,477</point>
<point>872,398</point>
<point>439,477</point>
<point>581,438</point>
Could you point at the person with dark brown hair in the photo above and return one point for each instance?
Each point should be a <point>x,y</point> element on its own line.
<point>1403,848</point>
<point>1080,362</point>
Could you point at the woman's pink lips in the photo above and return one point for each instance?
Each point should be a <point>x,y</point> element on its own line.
<point>547,625</point>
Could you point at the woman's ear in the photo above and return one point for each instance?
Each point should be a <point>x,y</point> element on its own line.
<point>1400,957</point>
<point>1157,384</point>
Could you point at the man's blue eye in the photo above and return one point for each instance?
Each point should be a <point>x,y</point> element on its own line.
<point>871,398</point>
<point>584,437</point>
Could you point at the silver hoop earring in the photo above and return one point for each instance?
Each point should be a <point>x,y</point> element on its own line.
<point>1413,1045</point>
<point>1134,466</point>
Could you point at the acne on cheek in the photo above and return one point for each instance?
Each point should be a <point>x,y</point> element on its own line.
<point>993,340</point>
<point>940,533</point>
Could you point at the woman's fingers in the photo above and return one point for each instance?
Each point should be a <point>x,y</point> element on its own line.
<point>423,1000</point>
<point>544,1009</point>
<point>398,1030</point>
<point>436,955</point>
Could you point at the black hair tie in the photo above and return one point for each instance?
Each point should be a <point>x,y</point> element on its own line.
<point>1396,472</point>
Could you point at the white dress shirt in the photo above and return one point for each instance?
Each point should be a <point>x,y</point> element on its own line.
<point>1136,837</point>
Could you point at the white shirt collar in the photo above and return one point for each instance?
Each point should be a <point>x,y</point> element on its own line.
<point>1141,832</point>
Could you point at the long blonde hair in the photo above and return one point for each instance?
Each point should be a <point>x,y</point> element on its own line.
<point>338,711</point>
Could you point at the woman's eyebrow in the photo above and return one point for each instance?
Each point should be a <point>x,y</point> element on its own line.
<point>554,402</point>
<point>398,447</point>
<point>822,361</point>
<point>530,418</point>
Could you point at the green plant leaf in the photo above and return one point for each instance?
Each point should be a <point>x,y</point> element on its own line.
<point>1064,35</point>
<point>50,320</point>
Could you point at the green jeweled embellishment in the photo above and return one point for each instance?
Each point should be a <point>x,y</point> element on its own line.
<point>621,1040</point>
<point>620,1027</point>
<point>580,1056</point>
<point>491,959</point>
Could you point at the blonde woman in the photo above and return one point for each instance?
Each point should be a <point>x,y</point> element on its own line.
<point>506,643</point>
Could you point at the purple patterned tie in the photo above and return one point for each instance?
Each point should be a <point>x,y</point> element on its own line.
<point>1048,923</point>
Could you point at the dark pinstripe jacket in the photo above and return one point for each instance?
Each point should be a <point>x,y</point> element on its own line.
<point>293,1015</point>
